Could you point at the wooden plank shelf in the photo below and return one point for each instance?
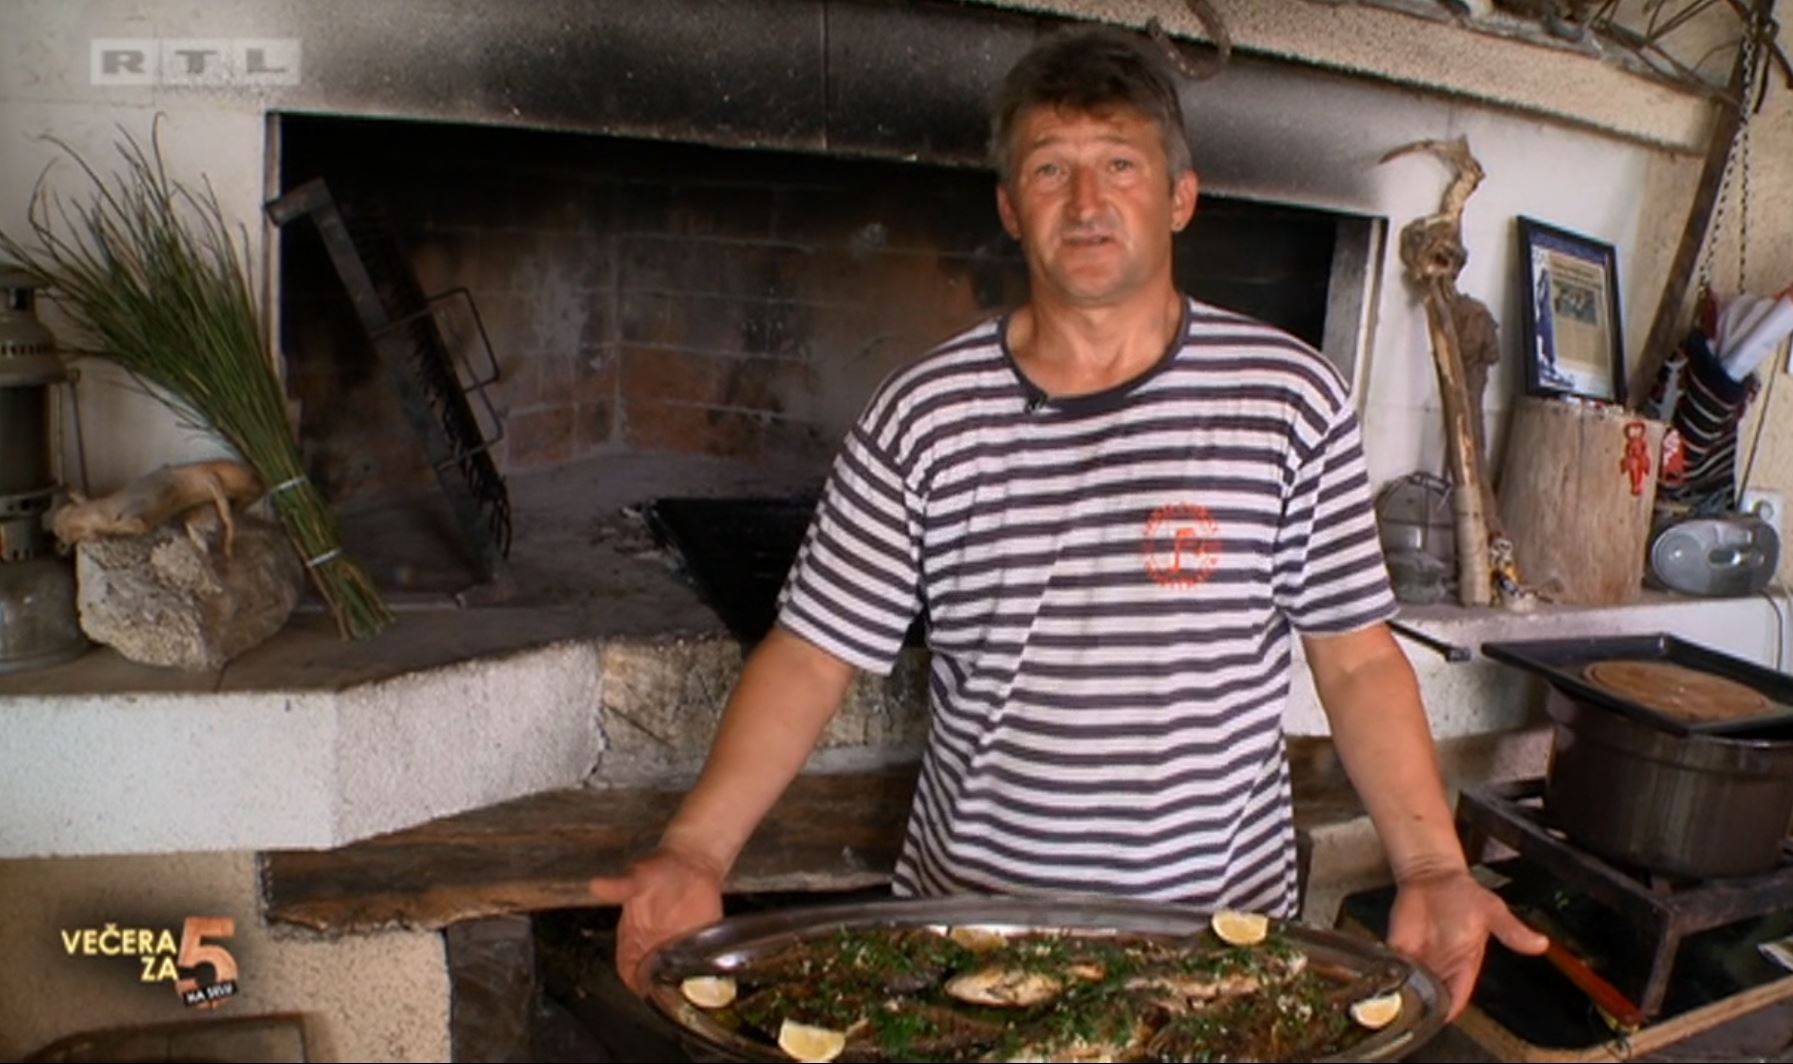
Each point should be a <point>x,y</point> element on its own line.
<point>828,832</point>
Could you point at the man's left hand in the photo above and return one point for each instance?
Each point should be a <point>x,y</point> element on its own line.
<point>1443,920</point>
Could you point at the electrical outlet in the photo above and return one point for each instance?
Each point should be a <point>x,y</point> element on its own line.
<point>1770,506</point>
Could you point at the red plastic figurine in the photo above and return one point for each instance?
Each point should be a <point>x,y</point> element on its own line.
<point>1674,459</point>
<point>1637,456</point>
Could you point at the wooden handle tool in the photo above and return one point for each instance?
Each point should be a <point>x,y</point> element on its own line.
<point>1607,997</point>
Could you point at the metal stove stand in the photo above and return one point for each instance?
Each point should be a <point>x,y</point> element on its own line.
<point>1661,911</point>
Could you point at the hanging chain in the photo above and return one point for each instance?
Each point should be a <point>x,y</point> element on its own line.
<point>1736,162</point>
<point>1746,101</point>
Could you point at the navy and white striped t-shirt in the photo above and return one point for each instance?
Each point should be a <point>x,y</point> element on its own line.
<point>1110,582</point>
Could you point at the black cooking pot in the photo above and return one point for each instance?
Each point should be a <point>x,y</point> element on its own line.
<point>1691,805</point>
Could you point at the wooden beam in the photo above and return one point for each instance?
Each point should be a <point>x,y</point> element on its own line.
<point>834,832</point>
<point>827,833</point>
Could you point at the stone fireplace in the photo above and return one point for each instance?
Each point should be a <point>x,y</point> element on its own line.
<point>714,315</point>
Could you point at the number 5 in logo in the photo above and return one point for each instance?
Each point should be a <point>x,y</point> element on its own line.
<point>195,952</point>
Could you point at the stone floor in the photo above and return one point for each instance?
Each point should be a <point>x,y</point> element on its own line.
<point>576,540</point>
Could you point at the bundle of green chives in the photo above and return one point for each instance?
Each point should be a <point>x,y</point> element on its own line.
<point>151,271</point>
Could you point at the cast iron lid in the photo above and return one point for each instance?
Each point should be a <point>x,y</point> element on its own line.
<point>1565,664</point>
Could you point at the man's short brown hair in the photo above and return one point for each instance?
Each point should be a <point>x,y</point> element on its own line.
<point>1090,70</point>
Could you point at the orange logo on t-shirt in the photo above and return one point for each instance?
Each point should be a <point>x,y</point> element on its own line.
<point>1181,544</point>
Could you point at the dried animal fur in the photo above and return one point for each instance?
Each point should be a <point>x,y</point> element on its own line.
<point>194,492</point>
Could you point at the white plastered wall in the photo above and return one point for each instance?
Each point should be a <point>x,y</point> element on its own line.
<point>1258,131</point>
<point>215,134</point>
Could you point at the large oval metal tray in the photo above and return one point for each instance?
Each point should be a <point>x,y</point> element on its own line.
<point>736,942</point>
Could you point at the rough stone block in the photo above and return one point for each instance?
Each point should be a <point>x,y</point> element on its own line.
<point>164,599</point>
<point>885,711</point>
<point>491,972</point>
<point>662,698</point>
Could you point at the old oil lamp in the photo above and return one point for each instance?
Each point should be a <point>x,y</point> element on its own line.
<point>38,622</point>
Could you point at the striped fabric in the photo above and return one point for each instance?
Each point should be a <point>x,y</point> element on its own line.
<point>1110,582</point>
<point>1707,410</point>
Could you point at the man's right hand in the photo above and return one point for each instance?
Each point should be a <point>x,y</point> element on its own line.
<point>788,691</point>
<point>663,895</point>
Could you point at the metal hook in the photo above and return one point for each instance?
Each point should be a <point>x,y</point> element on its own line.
<point>1216,30</point>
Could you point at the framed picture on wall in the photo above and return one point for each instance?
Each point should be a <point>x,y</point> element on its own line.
<point>1573,340</point>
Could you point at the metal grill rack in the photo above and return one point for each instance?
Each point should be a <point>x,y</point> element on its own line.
<point>400,323</point>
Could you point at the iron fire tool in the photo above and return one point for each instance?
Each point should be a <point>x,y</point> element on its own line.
<point>1619,1010</point>
<point>1452,652</point>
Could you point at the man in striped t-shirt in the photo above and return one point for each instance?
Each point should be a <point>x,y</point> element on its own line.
<point>1118,508</point>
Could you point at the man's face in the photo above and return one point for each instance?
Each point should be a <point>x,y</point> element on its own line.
<point>1091,199</point>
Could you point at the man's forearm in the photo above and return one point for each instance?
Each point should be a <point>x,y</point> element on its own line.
<point>1441,917</point>
<point>788,691</point>
<point>1380,731</point>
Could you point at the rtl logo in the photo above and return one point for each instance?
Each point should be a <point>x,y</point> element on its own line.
<point>195,62</point>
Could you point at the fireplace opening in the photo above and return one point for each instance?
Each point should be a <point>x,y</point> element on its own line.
<point>675,320</point>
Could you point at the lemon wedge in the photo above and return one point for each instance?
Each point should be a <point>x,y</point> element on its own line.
<point>708,991</point>
<point>1240,929</point>
<point>976,939</point>
<point>813,1045</point>
<point>1377,1012</point>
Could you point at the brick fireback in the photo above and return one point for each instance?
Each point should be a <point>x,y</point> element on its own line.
<point>638,294</point>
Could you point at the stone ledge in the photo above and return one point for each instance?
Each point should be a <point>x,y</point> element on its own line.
<point>162,772</point>
<point>662,700</point>
<point>161,763</point>
<point>827,832</point>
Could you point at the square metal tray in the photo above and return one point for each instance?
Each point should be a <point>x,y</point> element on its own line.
<point>1560,661</point>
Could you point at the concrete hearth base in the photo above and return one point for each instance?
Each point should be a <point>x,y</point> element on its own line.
<point>603,665</point>
<point>308,742</point>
